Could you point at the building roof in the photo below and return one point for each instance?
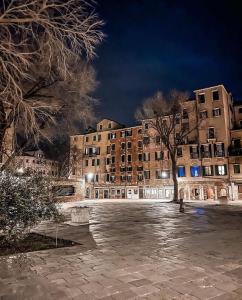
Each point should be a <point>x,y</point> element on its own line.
<point>211,87</point>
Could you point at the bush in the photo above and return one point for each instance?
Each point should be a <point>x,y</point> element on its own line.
<point>25,201</point>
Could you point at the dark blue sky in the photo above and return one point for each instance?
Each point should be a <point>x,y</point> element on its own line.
<point>160,45</point>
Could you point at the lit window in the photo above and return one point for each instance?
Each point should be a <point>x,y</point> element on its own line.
<point>181,171</point>
<point>162,174</point>
<point>207,170</point>
<point>221,170</point>
<point>195,171</point>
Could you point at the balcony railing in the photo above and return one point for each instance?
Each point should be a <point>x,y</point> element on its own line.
<point>234,151</point>
<point>206,154</point>
<point>194,155</point>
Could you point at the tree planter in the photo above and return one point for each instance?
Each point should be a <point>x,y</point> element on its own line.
<point>80,215</point>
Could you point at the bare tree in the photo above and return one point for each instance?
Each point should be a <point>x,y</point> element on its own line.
<point>170,117</point>
<point>51,35</point>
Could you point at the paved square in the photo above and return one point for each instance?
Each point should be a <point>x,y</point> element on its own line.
<point>140,250</point>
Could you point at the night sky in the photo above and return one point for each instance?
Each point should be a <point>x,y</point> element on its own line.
<point>160,45</point>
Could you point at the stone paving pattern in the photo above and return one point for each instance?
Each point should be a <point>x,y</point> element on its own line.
<point>135,251</point>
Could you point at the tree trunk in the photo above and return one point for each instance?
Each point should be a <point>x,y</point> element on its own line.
<point>174,177</point>
<point>3,123</point>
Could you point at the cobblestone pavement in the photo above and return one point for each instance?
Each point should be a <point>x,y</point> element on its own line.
<point>135,251</point>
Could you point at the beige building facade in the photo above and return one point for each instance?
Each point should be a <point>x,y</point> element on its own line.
<point>112,161</point>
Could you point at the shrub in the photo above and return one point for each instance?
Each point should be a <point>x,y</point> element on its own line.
<point>25,201</point>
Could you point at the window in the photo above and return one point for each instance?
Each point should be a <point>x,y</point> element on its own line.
<point>240,123</point>
<point>194,152</point>
<point>122,146</point>
<point>129,145</point>
<point>179,151</point>
<point>94,138</point>
<point>240,188</point>
<point>195,171</point>
<point>86,163</point>
<point>219,150</point>
<point>185,114</point>
<point>129,158</point>
<point>140,157</point>
<point>99,137</point>
<point>146,156</point>
<point>98,162</point>
<point>221,170</point>
<point>129,168</point>
<point>211,133</point>
<point>215,95</point>
<point>122,169</point>
<point>139,131</point>
<point>157,139</point>
<point>236,143</point>
<point>158,155</point>
<point>109,125</point>
<point>128,132</point>
<point>87,139</point>
<point>216,112</point>
<point>100,127</point>
<point>240,110</point>
<point>122,134</point>
<point>113,147</point>
<point>162,174</point>
<point>93,162</point>
<point>96,178</point>
<point>139,168</point>
<point>112,136</point>
<point>123,158</point>
<point>236,169</point>
<point>140,177</point>
<point>122,178</point>
<point>108,149</point>
<point>181,171</point>
<point>107,161</point>
<point>203,114</point>
<point>146,125</point>
<point>178,120</point>
<point>201,98</point>
<point>147,174</point>
<point>146,140</point>
<point>129,178</point>
<point>140,144</point>
<point>107,177</point>
<point>207,170</point>
<point>206,151</point>
<point>113,159</point>
<point>112,178</point>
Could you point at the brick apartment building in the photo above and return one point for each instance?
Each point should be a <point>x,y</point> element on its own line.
<point>119,162</point>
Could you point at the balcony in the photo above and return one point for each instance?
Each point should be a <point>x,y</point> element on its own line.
<point>206,154</point>
<point>194,155</point>
<point>235,151</point>
<point>219,153</point>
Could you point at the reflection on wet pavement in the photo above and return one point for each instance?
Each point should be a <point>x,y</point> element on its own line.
<point>135,251</point>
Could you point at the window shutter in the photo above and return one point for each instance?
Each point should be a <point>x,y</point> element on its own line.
<point>156,156</point>
<point>216,170</point>
<point>212,170</point>
<point>203,170</point>
<point>210,149</point>
<point>215,149</point>
<point>225,169</point>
